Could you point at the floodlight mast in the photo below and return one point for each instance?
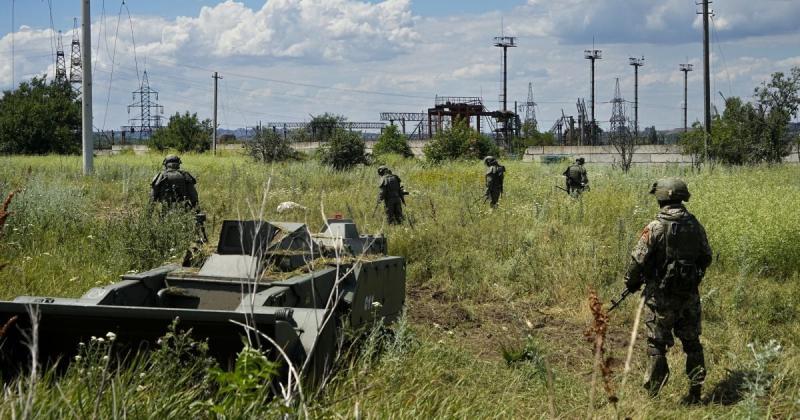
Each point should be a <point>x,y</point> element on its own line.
<point>593,55</point>
<point>636,63</point>
<point>685,68</point>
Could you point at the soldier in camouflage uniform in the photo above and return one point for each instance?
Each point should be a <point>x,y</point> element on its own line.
<point>576,178</point>
<point>174,186</point>
<point>392,194</point>
<point>670,260</point>
<point>495,174</point>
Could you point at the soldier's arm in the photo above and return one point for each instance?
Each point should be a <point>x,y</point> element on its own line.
<point>381,190</point>
<point>154,187</point>
<point>641,256</point>
<point>707,256</point>
<point>584,176</point>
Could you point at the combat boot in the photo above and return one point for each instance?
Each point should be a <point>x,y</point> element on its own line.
<point>657,374</point>
<point>696,371</point>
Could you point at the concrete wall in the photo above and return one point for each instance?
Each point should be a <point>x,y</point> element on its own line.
<point>646,154</point>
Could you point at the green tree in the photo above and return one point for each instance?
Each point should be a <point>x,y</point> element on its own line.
<point>269,146</point>
<point>324,127</point>
<point>391,141</point>
<point>185,133</point>
<point>751,132</point>
<point>343,150</point>
<point>39,118</point>
<point>460,141</point>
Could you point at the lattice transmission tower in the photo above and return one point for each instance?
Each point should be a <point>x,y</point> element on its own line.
<point>75,66</point>
<point>145,101</point>
<point>61,62</point>
<point>530,109</point>
<point>618,120</point>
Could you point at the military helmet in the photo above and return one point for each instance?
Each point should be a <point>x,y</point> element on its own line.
<point>488,160</point>
<point>580,160</point>
<point>171,159</point>
<point>382,169</point>
<point>668,189</point>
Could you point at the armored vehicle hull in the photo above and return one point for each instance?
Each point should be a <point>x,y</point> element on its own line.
<point>294,287</point>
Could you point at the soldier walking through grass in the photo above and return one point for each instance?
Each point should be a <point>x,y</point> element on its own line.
<point>576,178</point>
<point>392,194</point>
<point>495,174</point>
<point>670,260</point>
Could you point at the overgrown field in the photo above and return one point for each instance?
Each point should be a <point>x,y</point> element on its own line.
<point>479,281</point>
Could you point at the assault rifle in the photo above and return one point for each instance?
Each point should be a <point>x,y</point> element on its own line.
<point>615,303</point>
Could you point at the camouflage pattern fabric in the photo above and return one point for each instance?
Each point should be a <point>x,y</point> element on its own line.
<point>172,186</point>
<point>495,175</point>
<point>576,178</point>
<point>670,259</point>
<point>391,193</point>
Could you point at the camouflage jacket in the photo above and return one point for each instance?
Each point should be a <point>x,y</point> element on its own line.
<point>576,175</point>
<point>494,177</point>
<point>672,249</point>
<point>173,186</point>
<point>390,188</point>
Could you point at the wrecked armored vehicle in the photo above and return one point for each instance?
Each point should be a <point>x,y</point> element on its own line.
<point>293,286</point>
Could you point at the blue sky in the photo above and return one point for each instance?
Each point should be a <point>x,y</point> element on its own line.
<point>285,59</point>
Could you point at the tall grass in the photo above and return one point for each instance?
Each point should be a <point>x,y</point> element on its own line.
<point>534,258</point>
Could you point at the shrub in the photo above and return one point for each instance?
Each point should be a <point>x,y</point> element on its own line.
<point>344,150</point>
<point>185,133</point>
<point>269,146</point>
<point>391,141</point>
<point>459,142</point>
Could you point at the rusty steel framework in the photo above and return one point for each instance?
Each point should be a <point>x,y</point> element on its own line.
<point>463,108</point>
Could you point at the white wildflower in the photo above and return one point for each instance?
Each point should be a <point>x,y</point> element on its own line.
<point>111,336</point>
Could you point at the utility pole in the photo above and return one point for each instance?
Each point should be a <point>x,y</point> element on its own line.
<point>216,78</point>
<point>685,68</point>
<point>706,78</point>
<point>593,55</point>
<point>86,101</point>
<point>636,63</point>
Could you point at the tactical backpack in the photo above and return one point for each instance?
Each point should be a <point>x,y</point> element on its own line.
<point>574,174</point>
<point>683,243</point>
<point>173,186</point>
<point>392,190</point>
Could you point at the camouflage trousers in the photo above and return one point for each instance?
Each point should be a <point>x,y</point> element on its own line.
<point>493,196</point>
<point>394,211</point>
<point>679,315</point>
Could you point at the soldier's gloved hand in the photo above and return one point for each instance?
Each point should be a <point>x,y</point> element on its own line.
<point>633,286</point>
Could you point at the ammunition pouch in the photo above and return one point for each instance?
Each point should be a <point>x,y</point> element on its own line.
<point>681,277</point>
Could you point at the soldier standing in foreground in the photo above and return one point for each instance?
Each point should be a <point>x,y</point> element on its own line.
<point>576,177</point>
<point>670,259</point>
<point>494,180</point>
<point>392,194</point>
